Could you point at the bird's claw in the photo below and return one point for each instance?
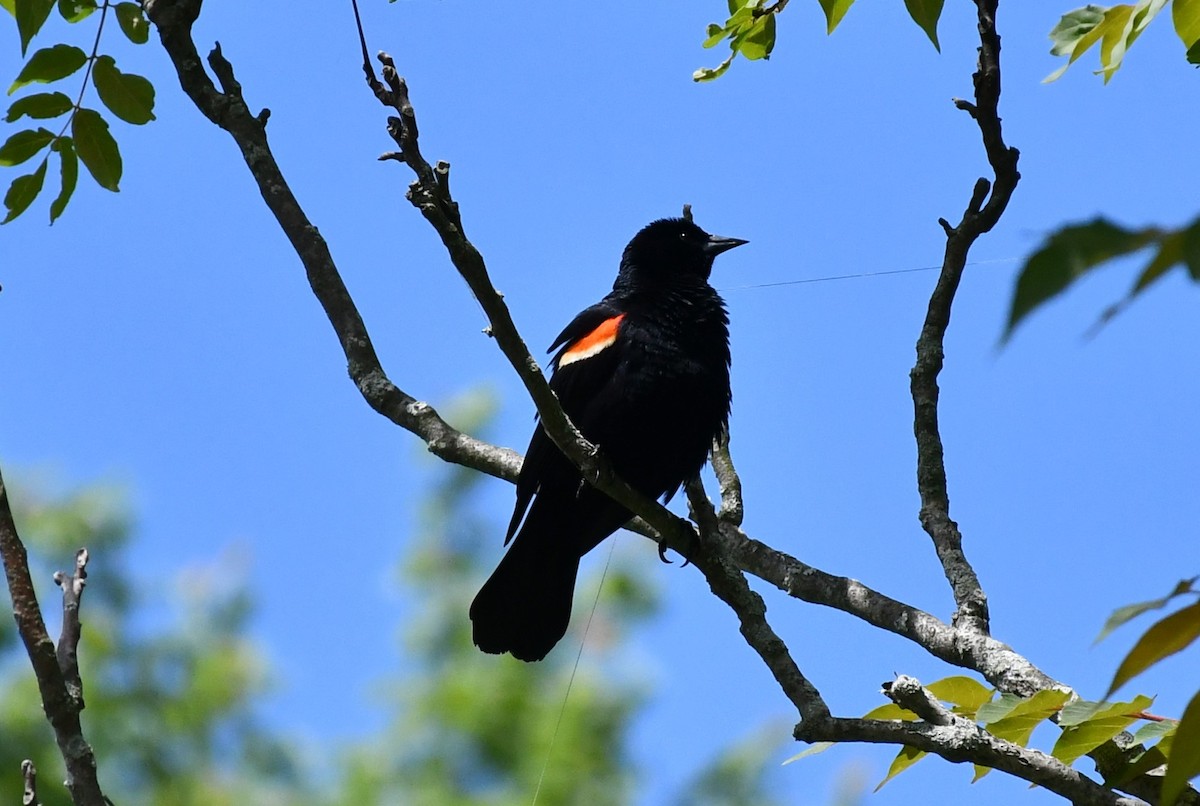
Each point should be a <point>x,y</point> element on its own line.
<point>662,552</point>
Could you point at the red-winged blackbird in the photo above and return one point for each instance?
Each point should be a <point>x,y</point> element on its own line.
<point>644,375</point>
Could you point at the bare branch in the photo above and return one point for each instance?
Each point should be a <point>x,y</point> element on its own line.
<point>62,709</point>
<point>228,110</point>
<point>430,194</point>
<point>971,602</point>
<point>729,585</point>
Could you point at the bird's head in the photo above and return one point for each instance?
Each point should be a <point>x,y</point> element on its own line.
<point>672,250</point>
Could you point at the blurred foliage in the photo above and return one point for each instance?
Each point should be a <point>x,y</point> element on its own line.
<point>169,712</point>
<point>172,680</point>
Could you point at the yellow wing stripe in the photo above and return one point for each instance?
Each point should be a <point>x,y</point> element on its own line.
<point>591,344</point>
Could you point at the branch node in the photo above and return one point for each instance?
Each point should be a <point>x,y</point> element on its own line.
<point>980,192</point>
<point>966,106</point>
<point>29,773</point>
<point>263,116</point>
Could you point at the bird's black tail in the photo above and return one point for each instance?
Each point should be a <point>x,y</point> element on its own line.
<point>525,605</point>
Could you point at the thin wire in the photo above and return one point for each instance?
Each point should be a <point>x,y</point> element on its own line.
<point>571,681</point>
<point>857,276</point>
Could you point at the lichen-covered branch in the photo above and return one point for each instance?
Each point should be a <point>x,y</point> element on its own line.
<point>61,707</point>
<point>958,740</point>
<point>988,202</point>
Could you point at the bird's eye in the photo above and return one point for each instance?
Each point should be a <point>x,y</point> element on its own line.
<point>683,235</point>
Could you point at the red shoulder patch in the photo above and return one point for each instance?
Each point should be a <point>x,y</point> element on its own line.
<point>603,336</point>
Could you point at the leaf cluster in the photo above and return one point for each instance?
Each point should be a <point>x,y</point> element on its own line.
<point>1179,742</point>
<point>84,136</point>
<point>1116,28</point>
<point>750,28</point>
<point>1085,725</point>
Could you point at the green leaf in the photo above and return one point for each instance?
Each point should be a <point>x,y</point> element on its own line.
<point>1184,761</point>
<point>1018,723</point>
<point>65,147</point>
<point>41,106</point>
<point>1129,612</point>
<point>1115,33</point>
<point>998,708</point>
<point>1153,731</point>
<point>76,10</point>
<point>965,693</point>
<point>1186,16</point>
<point>926,13</point>
<point>710,73</point>
<point>1072,28</point>
<point>1170,252</point>
<point>130,97</point>
<point>1017,726</point>
<point>1077,31</point>
<point>715,34</point>
<point>1065,257</point>
<point>1079,712</point>
<point>22,192</point>
<point>890,711</point>
<point>49,64</point>
<point>907,757</point>
<point>31,15</point>
<point>9,6</point>
<point>817,747</point>
<point>1140,764</point>
<point>1191,249</point>
<point>133,22</point>
<point>1166,637</point>
<point>97,148</point>
<point>1193,54</point>
<point>1089,725</point>
<point>23,145</point>
<point>758,40</point>
<point>834,11</point>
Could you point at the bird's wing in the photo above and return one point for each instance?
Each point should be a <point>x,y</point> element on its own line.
<point>583,371</point>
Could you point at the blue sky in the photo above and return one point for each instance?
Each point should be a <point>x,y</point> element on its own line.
<point>166,336</point>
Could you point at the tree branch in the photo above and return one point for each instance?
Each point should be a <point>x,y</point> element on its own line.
<point>958,740</point>
<point>729,585</point>
<point>62,709</point>
<point>228,110</point>
<point>68,639</point>
<point>430,194</point>
<point>969,598</point>
<point>723,552</point>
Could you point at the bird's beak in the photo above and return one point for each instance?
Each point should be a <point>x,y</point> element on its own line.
<point>716,244</point>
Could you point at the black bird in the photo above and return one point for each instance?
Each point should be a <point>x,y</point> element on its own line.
<point>644,375</point>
